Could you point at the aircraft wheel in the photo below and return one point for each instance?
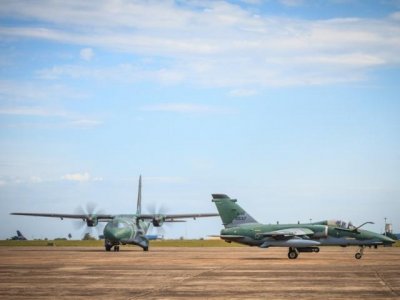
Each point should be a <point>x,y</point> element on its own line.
<point>145,248</point>
<point>292,254</point>
<point>316,250</point>
<point>108,247</point>
<point>358,255</point>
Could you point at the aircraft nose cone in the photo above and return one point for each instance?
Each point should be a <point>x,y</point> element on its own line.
<point>109,233</point>
<point>113,232</point>
<point>387,240</point>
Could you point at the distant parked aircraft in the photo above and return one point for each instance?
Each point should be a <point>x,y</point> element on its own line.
<point>19,237</point>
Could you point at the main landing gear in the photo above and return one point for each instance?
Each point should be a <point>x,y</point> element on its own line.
<point>109,246</point>
<point>294,252</point>
<point>360,253</point>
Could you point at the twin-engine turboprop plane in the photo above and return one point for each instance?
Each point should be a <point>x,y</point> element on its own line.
<point>241,228</point>
<point>126,228</point>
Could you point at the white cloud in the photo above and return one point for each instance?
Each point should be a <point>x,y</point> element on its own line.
<point>85,123</point>
<point>80,177</point>
<point>65,118</point>
<point>28,180</point>
<point>242,93</point>
<point>35,179</point>
<point>184,108</point>
<point>395,16</point>
<point>32,111</point>
<point>166,179</point>
<point>125,73</point>
<point>292,2</point>
<point>86,54</point>
<point>211,43</point>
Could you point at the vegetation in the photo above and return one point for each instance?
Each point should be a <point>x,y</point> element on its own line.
<point>88,237</point>
<point>99,243</point>
<point>192,243</point>
<point>60,243</point>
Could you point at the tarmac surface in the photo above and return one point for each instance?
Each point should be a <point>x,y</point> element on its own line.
<point>197,273</point>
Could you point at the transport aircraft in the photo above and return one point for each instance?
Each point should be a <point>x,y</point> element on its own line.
<point>19,237</point>
<point>242,228</point>
<point>125,229</point>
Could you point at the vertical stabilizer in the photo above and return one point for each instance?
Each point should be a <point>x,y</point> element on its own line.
<point>139,197</point>
<point>231,213</point>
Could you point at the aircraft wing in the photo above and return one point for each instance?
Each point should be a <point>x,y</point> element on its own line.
<point>174,217</point>
<point>288,232</point>
<point>100,217</point>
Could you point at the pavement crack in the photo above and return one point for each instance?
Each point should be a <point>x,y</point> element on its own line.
<point>175,283</point>
<point>386,284</point>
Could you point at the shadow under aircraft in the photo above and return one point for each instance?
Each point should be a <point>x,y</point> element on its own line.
<point>125,229</point>
<point>241,228</point>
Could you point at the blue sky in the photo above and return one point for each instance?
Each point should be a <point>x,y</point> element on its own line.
<point>290,106</point>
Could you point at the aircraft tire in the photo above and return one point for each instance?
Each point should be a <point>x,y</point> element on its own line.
<point>145,248</point>
<point>358,255</point>
<point>292,254</point>
<point>316,250</point>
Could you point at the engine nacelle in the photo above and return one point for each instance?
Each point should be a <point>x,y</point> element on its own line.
<point>92,221</point>
<point>158,221</point>
<point>320,231</point>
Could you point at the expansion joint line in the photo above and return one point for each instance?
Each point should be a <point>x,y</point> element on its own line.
<point>384,283</point>
<point>172,284</point>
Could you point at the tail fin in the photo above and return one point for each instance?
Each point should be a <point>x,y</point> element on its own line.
<point>231,213</point>
<point>20,235</point>
<point>139,197</point>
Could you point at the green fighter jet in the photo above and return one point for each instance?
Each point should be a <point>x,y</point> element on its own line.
<point>241,228</point>
<point>125,228</point>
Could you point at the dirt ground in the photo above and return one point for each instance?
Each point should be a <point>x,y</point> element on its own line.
<point>197,273</point>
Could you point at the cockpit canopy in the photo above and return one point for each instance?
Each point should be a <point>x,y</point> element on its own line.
<point>118,224</point>
<point>338,223</point>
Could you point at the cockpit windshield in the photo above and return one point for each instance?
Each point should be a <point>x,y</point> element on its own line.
<point>119,224</point>
<point>340,224</point>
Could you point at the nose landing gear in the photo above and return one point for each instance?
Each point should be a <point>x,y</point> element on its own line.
<point>360,253</point>
<point>108,245</point>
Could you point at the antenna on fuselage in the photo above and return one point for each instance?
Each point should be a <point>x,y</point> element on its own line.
<point>139,197</point>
